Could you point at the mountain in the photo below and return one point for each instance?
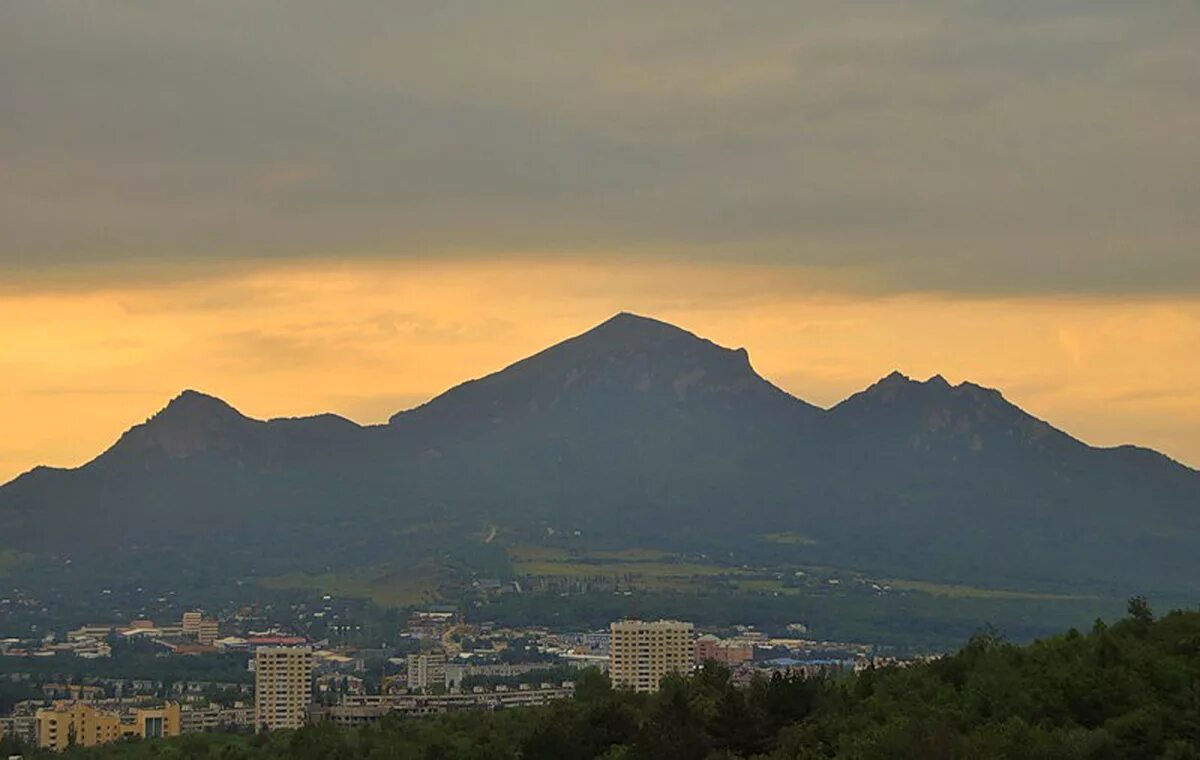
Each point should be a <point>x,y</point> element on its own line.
<point>195,425</point>
<point>625,362</point>
<point>1026,500</point>
<point>626,429</point>
<point>633,434</point>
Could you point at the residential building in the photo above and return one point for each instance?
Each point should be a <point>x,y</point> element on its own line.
<point>282,687</point>
<point>642,652</point>
<point>354,711</point>
<point>71,724</point>
<point>90,632</point>
<point>457,671</point>
<point>155,723</point>
<point>213,717</point>
<point>209,632</point>
<point>191,623</point>
<point>76,724</point>
<point>21,727</point>
<point>431,624</point>
<point>204,630</point>
<point>731,652</point>
<point>426,670</point>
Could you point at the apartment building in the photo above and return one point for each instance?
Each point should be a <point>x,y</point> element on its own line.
<point>642,652</point>
<point>191,622</point>
<point>213,717</point>
<point>426,670</point>
<point>731,652</point>
<point>204,630</point>
<point>282,687</point>
<point>79,724</point>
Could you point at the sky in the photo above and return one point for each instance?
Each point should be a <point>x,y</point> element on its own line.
<point>307,206</point>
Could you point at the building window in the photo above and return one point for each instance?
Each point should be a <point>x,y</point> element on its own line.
<point>153,728</point>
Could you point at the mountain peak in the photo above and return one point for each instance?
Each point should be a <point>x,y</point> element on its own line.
<point>191,407</point>
<point>632,330</point>
<point>189,397</point>
<point>893,379</point>
<point>189,423</point>
<point>627,358</point>
<point>628,317</point>
<point>897,382</point>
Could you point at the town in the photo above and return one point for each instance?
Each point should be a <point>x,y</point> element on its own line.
<point>222,674</point>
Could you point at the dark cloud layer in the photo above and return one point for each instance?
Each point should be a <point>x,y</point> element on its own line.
<point>965,146</point>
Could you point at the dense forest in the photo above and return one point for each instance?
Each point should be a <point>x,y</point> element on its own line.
<point>1129,690</point>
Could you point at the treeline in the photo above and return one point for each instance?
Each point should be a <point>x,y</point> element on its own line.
<point>1130,690</point>
<point>129,665</point>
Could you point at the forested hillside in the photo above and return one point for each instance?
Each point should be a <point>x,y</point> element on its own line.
<point>1130,690</point>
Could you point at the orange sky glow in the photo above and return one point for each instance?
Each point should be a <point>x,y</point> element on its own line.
<point>366,338</point>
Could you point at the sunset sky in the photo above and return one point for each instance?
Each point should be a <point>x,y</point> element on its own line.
<point>349,207</point>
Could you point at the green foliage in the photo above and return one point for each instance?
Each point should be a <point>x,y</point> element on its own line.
<point>1130,690</point>
<point>225,668</point>
<point>10,746</point>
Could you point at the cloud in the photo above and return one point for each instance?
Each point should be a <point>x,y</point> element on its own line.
<point>961,147</point>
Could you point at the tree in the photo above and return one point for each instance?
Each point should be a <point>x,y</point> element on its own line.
<point>1140,613</point>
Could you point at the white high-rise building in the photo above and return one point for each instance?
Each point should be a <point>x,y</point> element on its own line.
<point>426,670</point>
<point>642,652</point>
<point>282,687</point>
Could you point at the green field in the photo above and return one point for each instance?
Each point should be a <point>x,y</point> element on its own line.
<point>385,587</point>
<point>655,570</point>
<point>639,568</point>
<point>973,592</point>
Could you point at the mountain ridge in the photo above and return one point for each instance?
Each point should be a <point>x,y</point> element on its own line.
<point>637,432</point>
<point>191,405</point>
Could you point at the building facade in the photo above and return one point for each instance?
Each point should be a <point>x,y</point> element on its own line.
<point>642,652</point>
<point>190,624</point>
<point>426,670</point>
<point>21,727</point>
<point>282,687</point>
<point>354,711</point>
<point>79,724</point>
<point>728,652</point>
<point>197,719</point>
<point>195,626</point>
<point>209,632</point>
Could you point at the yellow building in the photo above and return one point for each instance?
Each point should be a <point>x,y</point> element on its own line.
<point>209,632</point>
<point>154,723</point>
<point>204,630</point>
<point>642,652</point>
<point>191,623</point>
<point>79,724</point>
<point>282,687</point>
